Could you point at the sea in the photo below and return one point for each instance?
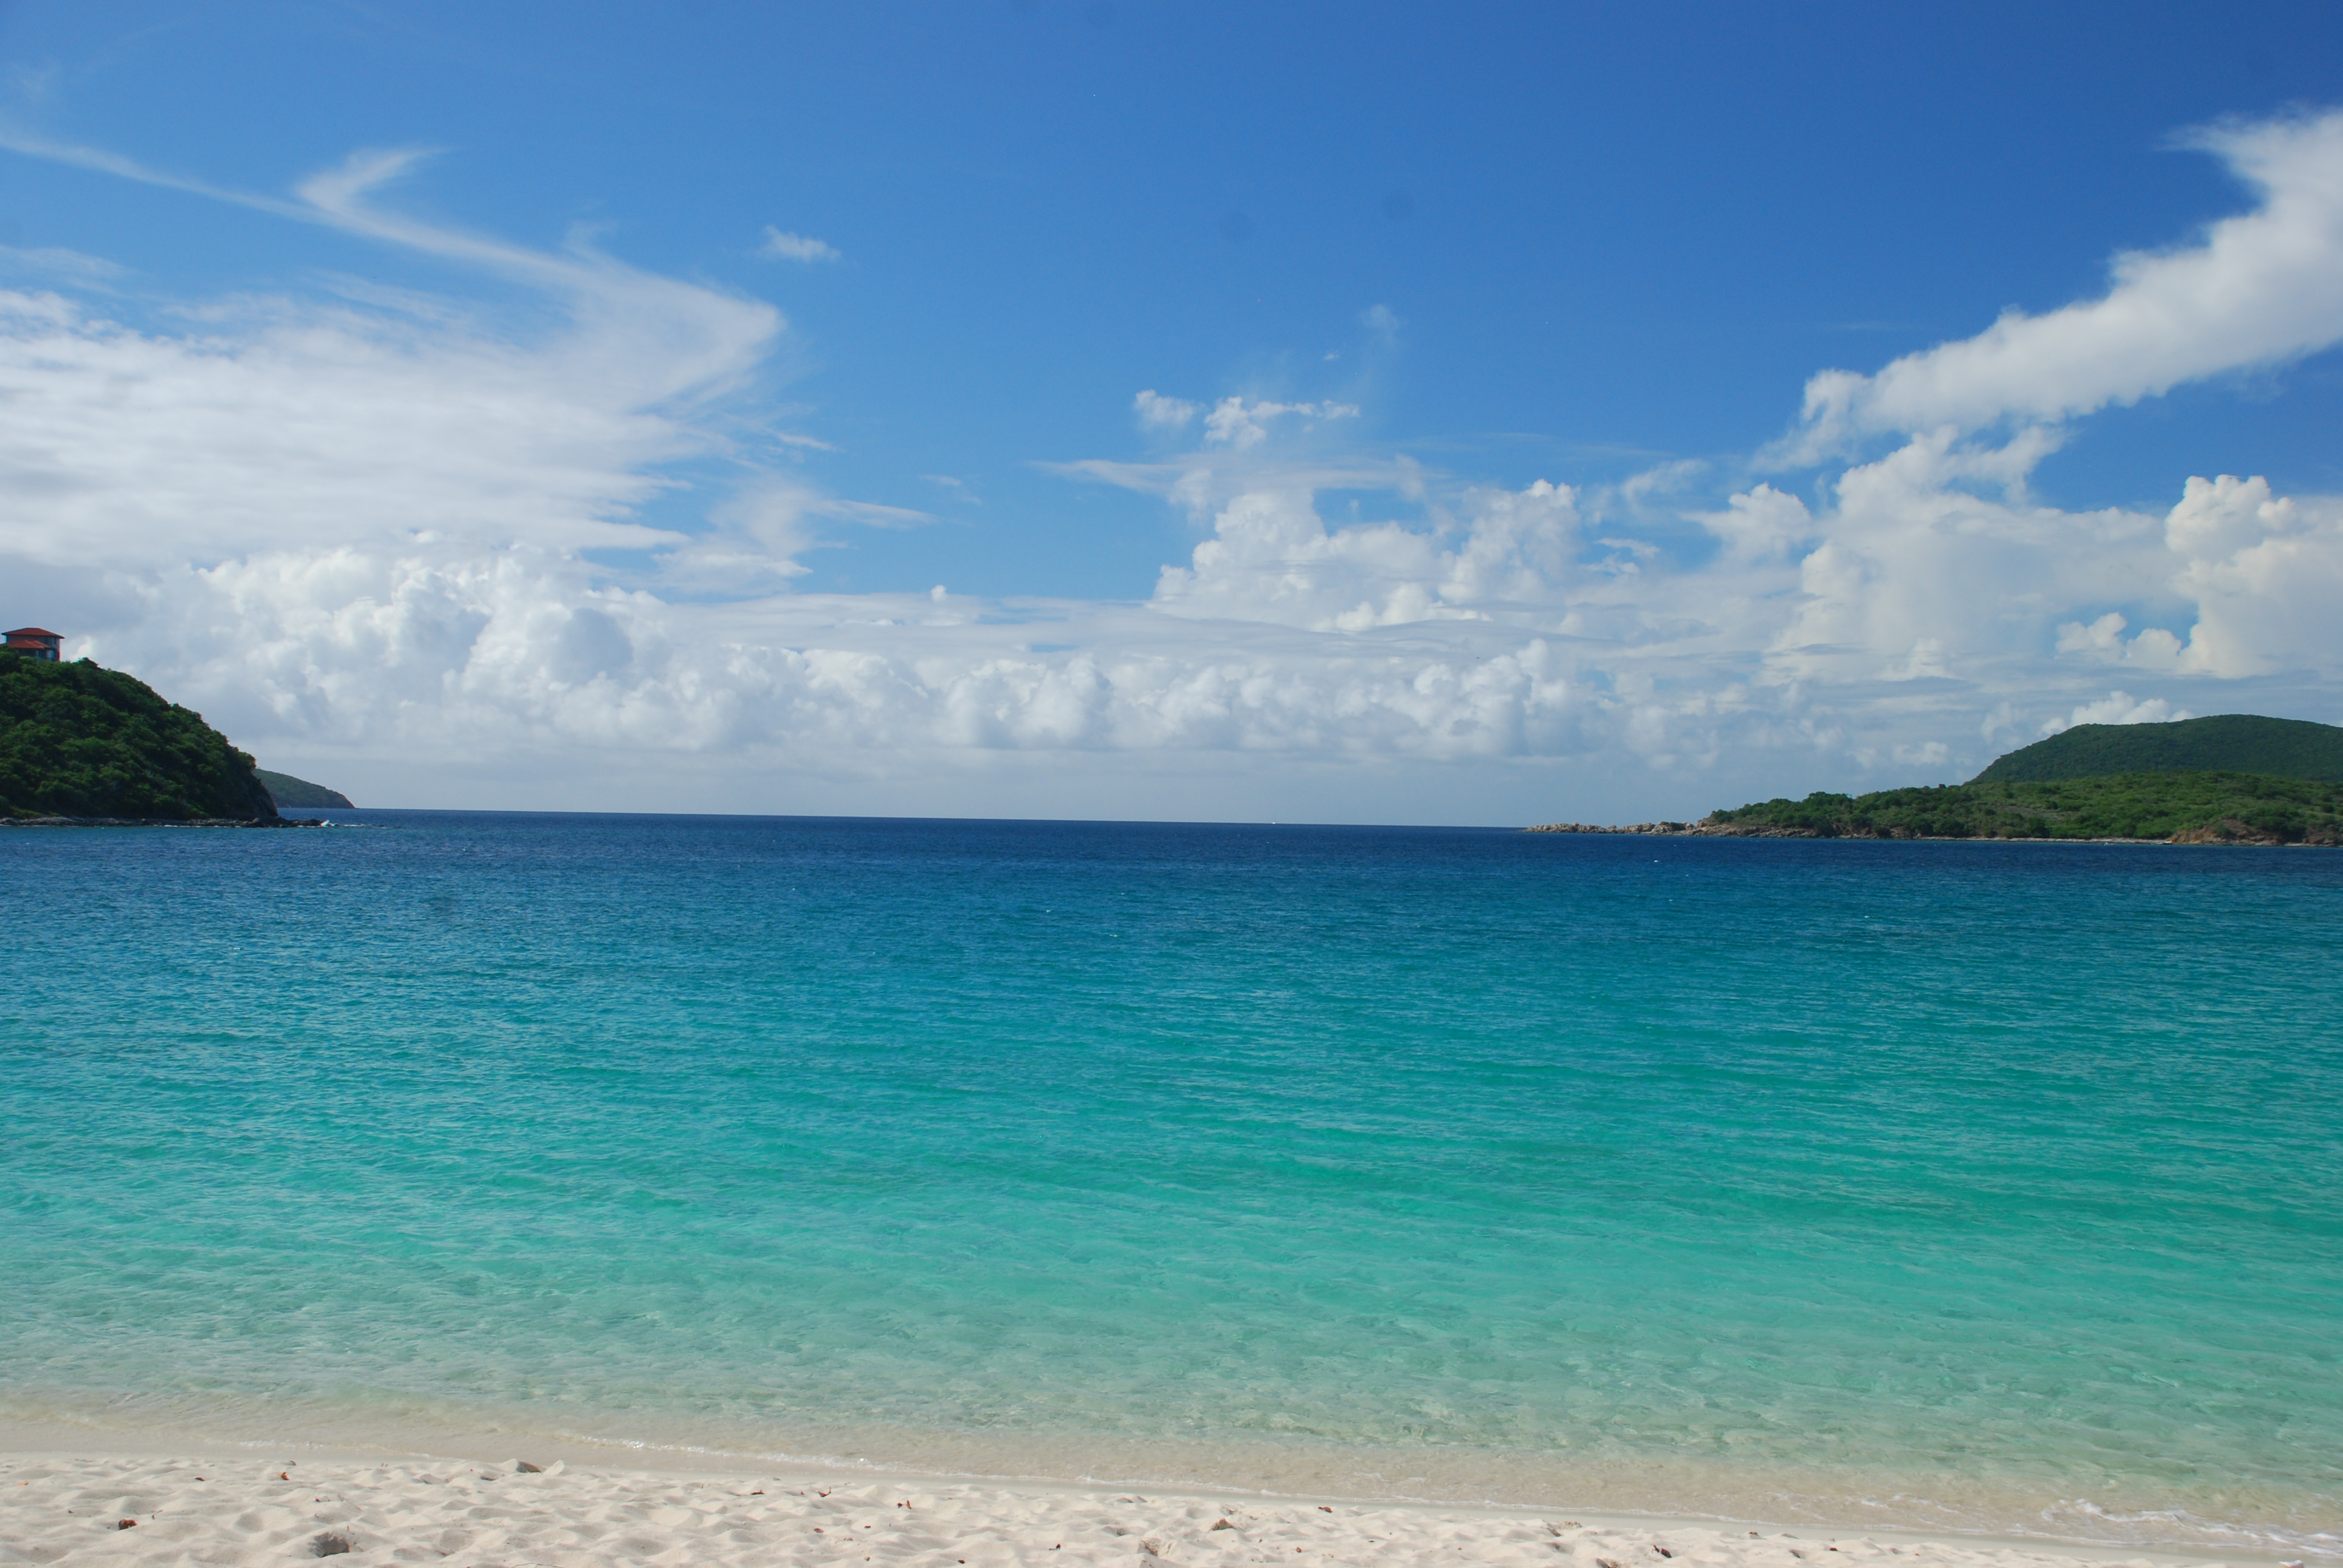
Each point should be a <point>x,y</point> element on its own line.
<point>1923,1186</point>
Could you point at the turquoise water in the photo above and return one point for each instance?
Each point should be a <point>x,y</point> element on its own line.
<point>1991,1187</point>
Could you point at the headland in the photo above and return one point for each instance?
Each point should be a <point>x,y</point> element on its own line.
<point>2203,783</point>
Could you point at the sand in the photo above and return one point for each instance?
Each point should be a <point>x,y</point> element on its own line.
<point>77,1508</point>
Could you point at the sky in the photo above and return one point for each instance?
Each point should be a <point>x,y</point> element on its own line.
<point>1095,408</point>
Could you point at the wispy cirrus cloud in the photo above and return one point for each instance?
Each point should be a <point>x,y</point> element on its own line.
<point>53,261</point>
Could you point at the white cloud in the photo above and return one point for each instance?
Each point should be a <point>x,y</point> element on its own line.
<point>1931,755</point>
<point>438,651</point>
<point>282,424</point>
<point>1493,630</point>
<point>2117,707</point>
<point>1157,412</point>
<point>1240,422</point>
<point>1273,560</point>
<point>1203,481</point>
<point>2103,636</point>
<point>754,546</point>
<point>2265,573</point>
<point>1926,661</point>
<point>1911,552</point>
<point>71,265</point>
<point>790,246</point>
<point>2259,289</point>
<point>1760,524</point>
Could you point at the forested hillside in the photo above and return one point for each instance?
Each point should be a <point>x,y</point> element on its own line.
<point>2227,743</point>
<point>2204,807</point>
<point>76,740</point>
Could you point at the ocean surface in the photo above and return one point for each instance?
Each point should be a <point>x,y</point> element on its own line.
<point>1946,1186</point>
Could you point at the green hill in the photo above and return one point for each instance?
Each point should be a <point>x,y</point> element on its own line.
<point>287,790</point>
<point>2236,778</point>
<point>2229,743</point>
<point>2192,808</point>
<point>76,740</point>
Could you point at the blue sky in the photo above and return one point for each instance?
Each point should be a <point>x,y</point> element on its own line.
<point>568,483</point>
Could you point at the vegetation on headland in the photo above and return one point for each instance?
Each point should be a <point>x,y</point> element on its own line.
<point>2186,807</point>
<point>76,740</point>
<point>287,790</point>
<point>2235,779</point>
<point>2226,743</point>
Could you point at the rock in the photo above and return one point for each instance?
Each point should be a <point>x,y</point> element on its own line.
<point>2227,831</point>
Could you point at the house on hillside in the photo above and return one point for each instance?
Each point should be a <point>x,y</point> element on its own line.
<point>33,643</point>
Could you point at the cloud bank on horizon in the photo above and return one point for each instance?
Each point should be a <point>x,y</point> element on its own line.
<point>381,535</point>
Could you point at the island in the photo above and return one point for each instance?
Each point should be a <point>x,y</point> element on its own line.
<point>2235,779</point>
<point>79,743</point>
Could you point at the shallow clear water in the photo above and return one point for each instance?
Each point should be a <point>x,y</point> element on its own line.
<point>1996,1187</point>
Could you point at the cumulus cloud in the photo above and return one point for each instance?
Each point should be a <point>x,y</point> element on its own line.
<point>1760,524</point>
<point>1912,552</point>
<point>2117,707</point>
<point>442,650</point>
<point>1273,560</point>
<point>2259,289</point>
<point>2265,573</point>
<point>787,247</point>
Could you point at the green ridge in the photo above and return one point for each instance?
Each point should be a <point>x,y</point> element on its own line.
<point>2228,743</point>
<point>287,790</point>
<point>2207,807</point>
<point>76,740</point>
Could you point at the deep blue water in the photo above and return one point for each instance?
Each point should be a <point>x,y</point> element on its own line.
<point>1996,1186</point>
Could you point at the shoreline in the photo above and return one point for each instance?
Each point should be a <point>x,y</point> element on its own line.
<point>1654,1506</point>
<point>255,1502</point>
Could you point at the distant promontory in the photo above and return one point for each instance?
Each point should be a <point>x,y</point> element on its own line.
<point>2236,778</point>
<point>300,794</point>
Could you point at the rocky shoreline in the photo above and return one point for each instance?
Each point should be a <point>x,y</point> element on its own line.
<point>163,823</point>
<point>1685,829</point>
<point>2229,831</point>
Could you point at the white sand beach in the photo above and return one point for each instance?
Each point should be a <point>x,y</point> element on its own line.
<point>71,1509</point>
